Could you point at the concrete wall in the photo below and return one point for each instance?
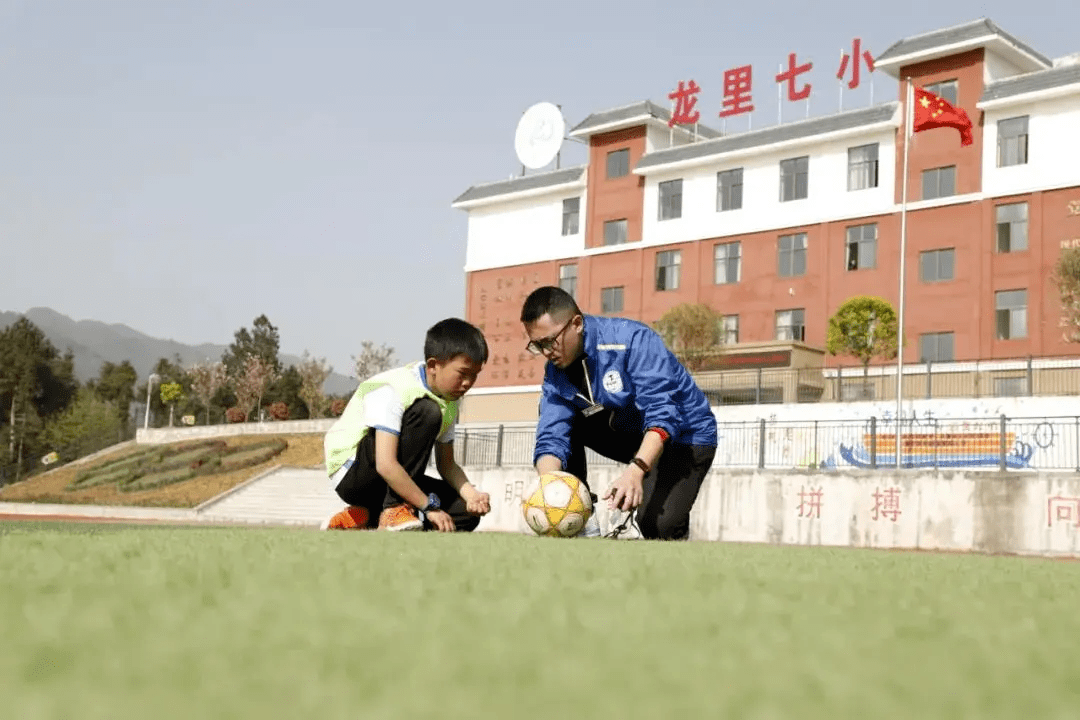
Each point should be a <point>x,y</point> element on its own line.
<point>160,436</point>
<point>1030,513</point>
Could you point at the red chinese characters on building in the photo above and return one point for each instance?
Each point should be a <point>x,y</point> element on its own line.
<point>858,55</point>
<point>886,504</point>
<point>737,91</point>
<point>810,502</point>
<point>789,76</point>
<point>1063,510</point>
<point>685,98</point>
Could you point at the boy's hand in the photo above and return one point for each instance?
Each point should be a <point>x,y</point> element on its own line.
<point>441,521</point>
<point>476,502</point>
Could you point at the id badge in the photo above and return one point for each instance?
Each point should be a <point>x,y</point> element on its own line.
<point>592,410</point>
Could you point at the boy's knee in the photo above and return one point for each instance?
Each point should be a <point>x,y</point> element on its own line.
<point>424,411</point>
<point>467,523</point>
<point>663,528</point>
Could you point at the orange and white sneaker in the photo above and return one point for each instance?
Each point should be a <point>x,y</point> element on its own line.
<point>400,517</point>
<point>351,518</point>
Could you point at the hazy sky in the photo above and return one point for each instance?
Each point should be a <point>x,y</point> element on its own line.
<point>182,167</point>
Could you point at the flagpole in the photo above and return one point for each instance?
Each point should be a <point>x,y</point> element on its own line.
<point>908,108</point>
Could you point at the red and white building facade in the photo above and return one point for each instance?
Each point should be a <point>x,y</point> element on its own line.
<point>776,227</point>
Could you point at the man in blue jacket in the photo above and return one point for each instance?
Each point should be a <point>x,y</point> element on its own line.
<point>613,386</point>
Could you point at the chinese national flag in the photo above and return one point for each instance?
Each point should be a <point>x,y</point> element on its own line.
<point>933,112</point>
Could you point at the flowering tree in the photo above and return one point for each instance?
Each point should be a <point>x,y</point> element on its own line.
<point>372,360</point>
<point>206,380</point>
<point>256,374</point>
<point>313,373</point>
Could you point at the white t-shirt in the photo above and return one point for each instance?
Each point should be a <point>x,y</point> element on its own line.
<point>383,410</point>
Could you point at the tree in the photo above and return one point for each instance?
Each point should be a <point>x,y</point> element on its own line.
<point>372,360</point>
<point>692,332</point>
<point>286,389</point>
<point>116,384</point>
<point>1066,276</point>
<point>250,385</point>
<point>262,341</point>
<point>168,371</point>
<point>171,393</point>
<point>206,380</point>
<point>865,328</point>
<point>313,373</point>
<point>87,426</point>
<point>27,361</point>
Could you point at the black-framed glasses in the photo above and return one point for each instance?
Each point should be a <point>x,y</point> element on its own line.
<point>537,347</point>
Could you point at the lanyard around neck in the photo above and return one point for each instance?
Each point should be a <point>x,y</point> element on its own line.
<point>588,384</point>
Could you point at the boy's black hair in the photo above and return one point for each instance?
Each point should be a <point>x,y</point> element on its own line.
<point>549,300</point>
<point>451,337</point>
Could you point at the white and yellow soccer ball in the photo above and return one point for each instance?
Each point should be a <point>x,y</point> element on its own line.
<point>557,504</point>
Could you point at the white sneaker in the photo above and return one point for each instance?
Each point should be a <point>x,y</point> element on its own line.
<point>624,526</point>
<point>592,527</point>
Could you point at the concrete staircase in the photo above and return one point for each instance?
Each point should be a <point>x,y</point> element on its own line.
<point>280,496</point>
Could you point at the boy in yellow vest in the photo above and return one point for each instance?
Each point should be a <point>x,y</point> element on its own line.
<point>378,450</point>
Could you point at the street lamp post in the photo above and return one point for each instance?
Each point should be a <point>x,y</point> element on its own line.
<point>154,377</point>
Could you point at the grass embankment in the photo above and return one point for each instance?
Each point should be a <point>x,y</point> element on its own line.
<point>54,487</point>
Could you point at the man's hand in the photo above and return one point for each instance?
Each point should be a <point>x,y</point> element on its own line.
<point>442,521</point>
<point>626,493</point>
<point>476,502</point>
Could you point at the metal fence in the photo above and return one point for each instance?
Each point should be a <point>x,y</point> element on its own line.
<point>975,379</point>
<point>998,444</point>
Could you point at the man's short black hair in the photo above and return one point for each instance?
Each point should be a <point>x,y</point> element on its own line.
<point>548,300</point>
<point>451,337</point>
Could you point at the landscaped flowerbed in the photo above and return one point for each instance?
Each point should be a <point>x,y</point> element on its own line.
<point>160,466</point>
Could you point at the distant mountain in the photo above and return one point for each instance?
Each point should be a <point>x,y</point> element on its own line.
<point>95,343</point>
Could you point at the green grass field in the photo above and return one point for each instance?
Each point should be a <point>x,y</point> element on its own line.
<point>111,621</point>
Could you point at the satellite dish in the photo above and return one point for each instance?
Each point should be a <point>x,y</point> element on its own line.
<point>539,135</point>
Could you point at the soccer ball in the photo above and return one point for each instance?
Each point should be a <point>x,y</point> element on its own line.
<point>557,504</point>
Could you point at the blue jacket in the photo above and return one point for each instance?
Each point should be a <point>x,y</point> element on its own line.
<point>634,373</point>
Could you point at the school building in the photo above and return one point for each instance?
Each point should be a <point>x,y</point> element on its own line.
<point>777,227</point>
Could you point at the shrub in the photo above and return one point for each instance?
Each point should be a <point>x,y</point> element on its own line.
<point>278,411</point>
<point>235,415</point>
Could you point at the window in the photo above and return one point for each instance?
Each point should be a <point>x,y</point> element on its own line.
<point>938,182</point>
<point>611,300</point>
<point>1012,227</point>
<point>862,167</point>
<point>568,279</point>
<point>615,232</point>
<point>1012,141</point>
<point>729,190</point>
<point>671,199</point>
<point>571,211</point>
<point>727,263</point>
<point>794,178</point>
<point>791,260</point>
<point>667,269</point>
<point>729,330</point>
<point>618,163</point>
<point>936,347</point>
<point>791,325</point>
<point>937,265</point>
<point>862,247</point>
<point>1011,386</point>
<point>1011,314</point>
<point>947,90</point>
